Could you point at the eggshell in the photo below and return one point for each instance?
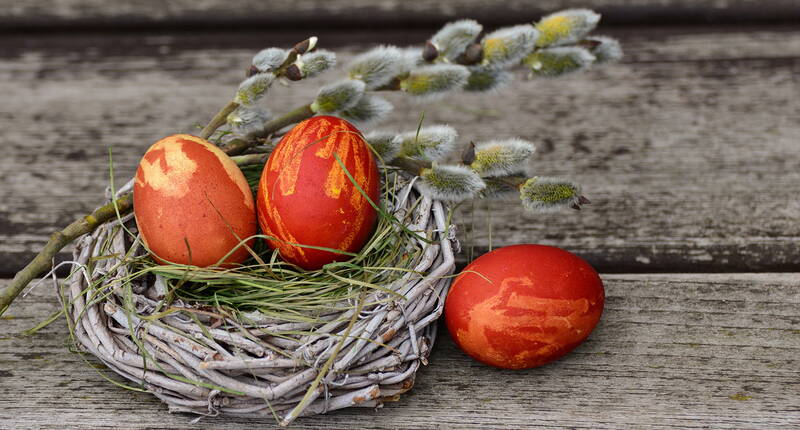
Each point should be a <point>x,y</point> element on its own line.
<point>523,306</point>
<point>192,203</point>
<point>306,198</point>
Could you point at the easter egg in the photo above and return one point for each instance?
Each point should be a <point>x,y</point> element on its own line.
<point>523,306</point>
<point>192,203</point>
<point>306,197</point>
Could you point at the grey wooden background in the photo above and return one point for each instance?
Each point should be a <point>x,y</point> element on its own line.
<point>689,150</point>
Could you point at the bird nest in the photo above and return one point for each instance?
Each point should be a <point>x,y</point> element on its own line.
<point>361,348</point>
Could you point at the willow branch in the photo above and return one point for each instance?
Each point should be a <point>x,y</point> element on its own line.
<point>122,205</point>
<point>296,115</point>
<point>413,166</point>
<point>514,182</point>
<point>250,159</point>
<point>219,119</point>
<point>43,261</point>
<point>237,146</point>
<point>285,69</point>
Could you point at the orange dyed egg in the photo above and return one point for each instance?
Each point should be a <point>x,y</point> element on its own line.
<point>523,306</point>
<point>305,197</point>
<point>192,203</point>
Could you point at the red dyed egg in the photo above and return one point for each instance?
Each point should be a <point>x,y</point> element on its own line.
<point>192,203</point>
<point>523,306</point>
<point>305,197</point>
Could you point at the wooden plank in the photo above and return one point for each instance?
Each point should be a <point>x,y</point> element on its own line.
<point>688,149</point>
<point>719,351</point>
<point>44,15</point>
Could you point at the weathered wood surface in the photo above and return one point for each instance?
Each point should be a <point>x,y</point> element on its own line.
<point>719,351</point>
<point>688,149</point>
<point>284,14</point>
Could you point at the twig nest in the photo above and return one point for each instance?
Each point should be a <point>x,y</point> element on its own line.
<point>360,347</point>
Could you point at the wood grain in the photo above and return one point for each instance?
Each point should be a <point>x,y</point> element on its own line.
<point>687,351</point>
<point>688,149</point>
<point>83,15</point>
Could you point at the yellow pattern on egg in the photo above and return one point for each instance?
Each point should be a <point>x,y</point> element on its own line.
<point>286,158</point>
<point>230,168</point>
<point>337,178</point>
<point>171,172</point>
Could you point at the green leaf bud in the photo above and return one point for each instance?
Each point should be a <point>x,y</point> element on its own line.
<point>507,46</point>
<point>455,37</point>
<point>566,27</point>
<point>253,88</point>
<point>267,60</point>
<point>482,78</point>
<point>450,183</point>
<point>247,119</point>
<point>338,96</point>
<point>429,143</point>
<point>386,144</point>
<point>376,67</point>
<point>314,63</point>
<point>545,194</point>
<point>502,157</point>
<point>370,108</point>
<point>435,80</point>
<point>606,50</point>
<point>558,61</point>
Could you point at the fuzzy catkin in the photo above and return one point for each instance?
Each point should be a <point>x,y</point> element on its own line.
<point>253,88</point>
<point>412,58</point>
<point>559,61</point>
<point>338,96</point>
<point>608,51</point>
<point>247,119</point>
<point>429,143</point>
<point>566,27</point>
<point>369,109</point>
<point>545,194</point>
<point>267,60</point>
<point>377,67</point>
<point>454,37</point>
<point>483,78</point>
<point>502,157</point>
<point>385,143</point>
<point>450,183</point>
<point>507,46</point>
<point>432,81</point>
<point>315,63</point>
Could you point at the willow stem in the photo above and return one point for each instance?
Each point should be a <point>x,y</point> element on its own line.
<point>250,159</point>
<point>220,118</point>
<point>43,261</point>
<point>58,240</point>
<point>238,146</point>
<point>413,166</point>
<point>512,181</point>
<point>294,116</point>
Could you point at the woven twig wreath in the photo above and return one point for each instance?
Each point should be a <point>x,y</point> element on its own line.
<point>360,358</point>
